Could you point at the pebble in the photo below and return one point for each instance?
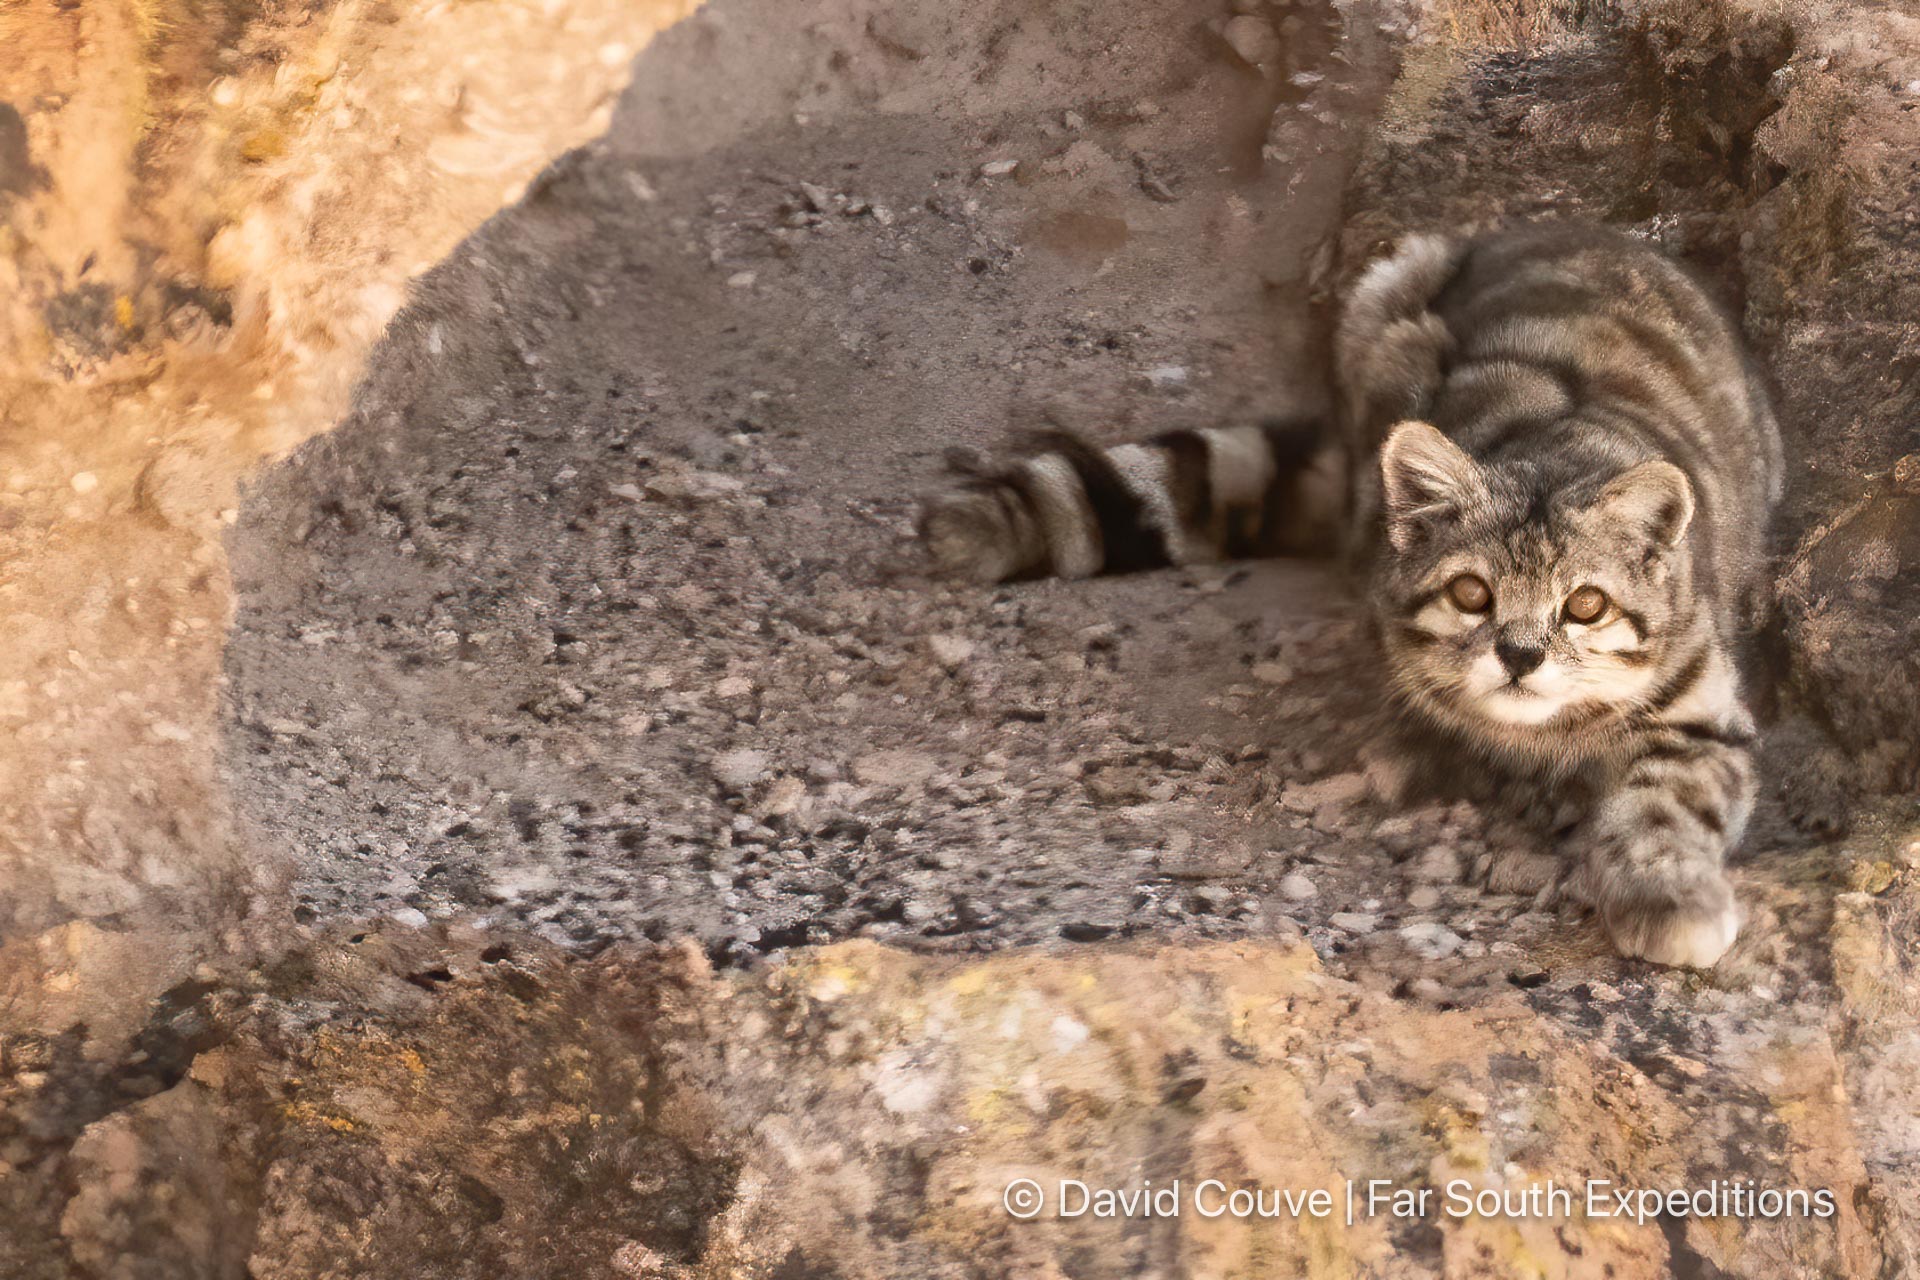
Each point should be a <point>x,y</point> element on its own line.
<point>1341,789</point>
<point>1352,921</point>
<point>1162,377</point>
<point>893,768</point>
<point>1211,899</point>
<point>1440,865</point>
<point>693,485</point>
<point>1906,474</point>
<point>741,280</point>
<point>1295,887</point>
<point>85,482</point>
<point>1424,898</point>
<point>998,168</point>
<point>1118,786</point>
<point>1430,940</point>
<point>412,917</point>
<point>949,650</point>
<point>782,798</point>
<point>1272,672</point>
<point>738,770</point>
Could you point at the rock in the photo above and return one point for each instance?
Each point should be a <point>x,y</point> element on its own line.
<point>1253,40</point>
<point>1424,898</point>
<point>1852,619</point>
<point>783,798</point>
<point>1271,672</point>
<point>894,768</point>
<point>1906,475</point>
<point>1353,921</point>
<point>1212,899</point>
<point>1438,865</point>
<point>1117,786</point>
<point>1339,790</point>
<point>693,486</point>
<point>1295,887</point>
<point>1165,377</point>
<point>1430,940</point>
<point>739,770</point>
<point>950,650</point>
<point>637,1262</point>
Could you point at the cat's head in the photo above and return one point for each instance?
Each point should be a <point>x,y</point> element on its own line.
<point>1522,607</point>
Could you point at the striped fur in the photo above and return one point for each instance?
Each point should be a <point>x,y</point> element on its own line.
<point>1529,421</point>
<point>1186,497</point>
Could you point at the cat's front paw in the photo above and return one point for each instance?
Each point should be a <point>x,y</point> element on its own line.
<point>1686,923</point>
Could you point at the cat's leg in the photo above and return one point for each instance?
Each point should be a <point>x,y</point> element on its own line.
<point>1655,844</point>
<point>1073,510</point>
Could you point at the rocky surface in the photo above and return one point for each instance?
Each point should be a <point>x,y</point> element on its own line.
<point>208,213</point>
<point>855,1110</point>
<point>591,615</point>
<point>645,815</point>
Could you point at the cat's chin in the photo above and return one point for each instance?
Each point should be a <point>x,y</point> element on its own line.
<point>1518,707</point>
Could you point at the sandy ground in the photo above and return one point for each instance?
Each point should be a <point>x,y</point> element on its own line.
<point>598,613</point>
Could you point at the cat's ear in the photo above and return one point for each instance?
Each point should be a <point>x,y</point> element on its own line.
<point>1653,499</point>
<point>1424,477</point>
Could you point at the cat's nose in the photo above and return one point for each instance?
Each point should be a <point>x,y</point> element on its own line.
<point>1518,656</point>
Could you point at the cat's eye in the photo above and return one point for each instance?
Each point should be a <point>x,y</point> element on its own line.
<point>1470,594</point>
<point>1586,604</point>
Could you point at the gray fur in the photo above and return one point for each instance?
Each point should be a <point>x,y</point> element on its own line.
<point>1545,408</point>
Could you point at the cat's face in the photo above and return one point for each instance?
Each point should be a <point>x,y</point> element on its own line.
<point>1521,612</point>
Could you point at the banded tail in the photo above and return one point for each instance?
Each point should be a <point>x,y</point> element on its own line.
<point>1186,497</point>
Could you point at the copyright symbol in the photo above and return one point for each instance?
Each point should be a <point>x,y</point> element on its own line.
<point>1023,1198</point>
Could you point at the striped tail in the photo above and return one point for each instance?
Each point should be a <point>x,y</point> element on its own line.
<point>1186,497</point>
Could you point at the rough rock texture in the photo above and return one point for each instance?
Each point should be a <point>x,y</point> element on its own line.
<point>208,213</point>
<point>582,658</point>
<point>589,616</point>
<point>857,1111</point>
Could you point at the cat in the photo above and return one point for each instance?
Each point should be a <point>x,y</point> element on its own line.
<point>1553,471</point>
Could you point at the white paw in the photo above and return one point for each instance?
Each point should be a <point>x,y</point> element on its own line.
<point>1683,937</point>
